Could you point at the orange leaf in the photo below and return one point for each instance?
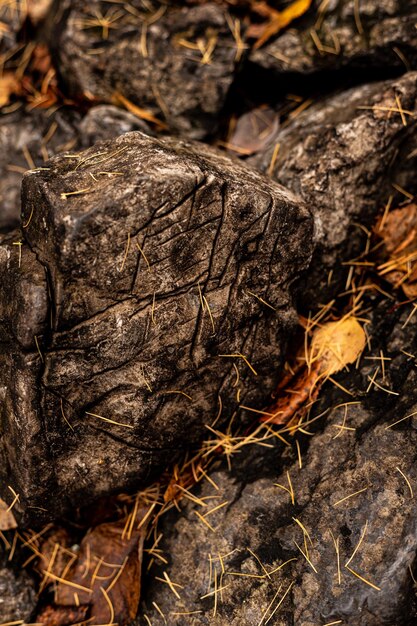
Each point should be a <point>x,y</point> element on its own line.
<point>282,20</point>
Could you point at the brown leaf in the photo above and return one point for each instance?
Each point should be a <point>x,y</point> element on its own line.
<point>107,573</point>
<point>62,616</point>
<point>398,231</point>
<point>253,131</point>
<point>7,520</point>
<point>334,345</point>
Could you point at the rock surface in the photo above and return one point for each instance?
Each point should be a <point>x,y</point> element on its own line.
<point>344,155</point>
<point>351,492</point>
<point>151,257</point>
<point>176,62</point>
<point>339,35</point>
<point>17,595</point>
<point>29,139</point>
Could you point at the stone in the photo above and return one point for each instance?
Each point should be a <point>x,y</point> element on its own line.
<point>17,595</point>
<point>29,138</point>
<point>349,39</point>
<point>136,299</point>
<point>175,62</point>
<point>346,155</point>
<point>351,493</point>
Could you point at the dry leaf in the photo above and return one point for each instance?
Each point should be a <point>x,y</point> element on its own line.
<point>107,573</point>
<point>398,231</point>
<point>253,131</point>
<point>7,520</point>
<point>337,344</point>
<point>333,346</point>
<point>280,20</point>
<point>62,616</point>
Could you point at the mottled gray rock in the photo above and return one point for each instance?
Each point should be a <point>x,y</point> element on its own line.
<point>346,34</point>
<point>343,155</point>
<point>106,122</point>
<point>155,254</point>
<point>17,596</point>
<point>28,139</point>
<point>260,525</point>
<point>176,62</point>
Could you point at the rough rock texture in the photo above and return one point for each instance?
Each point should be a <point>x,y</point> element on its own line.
<point>29,139</point>
<point>155,254</point>
<point>176,62</point>
<point>346,34</point>
<point>351,450</point>
<point>344,160</point>
<point>17,595</point>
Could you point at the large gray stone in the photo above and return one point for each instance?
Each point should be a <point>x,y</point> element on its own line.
<point>146,260</point>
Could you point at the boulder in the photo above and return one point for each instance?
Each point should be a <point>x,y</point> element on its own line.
<point>348,156</point>
<point>175,62</point>
<point>152,275</point>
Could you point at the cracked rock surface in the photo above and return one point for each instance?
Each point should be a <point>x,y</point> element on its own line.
<point>175,61</point>
<point>344,155</point>
<point>346,35</point>
<point>141,271</point>
<point>350,496</point>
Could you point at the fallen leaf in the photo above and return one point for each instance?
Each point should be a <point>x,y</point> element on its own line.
<point>279,21</point>
<point>337,344</point>
<point>7,520</point>
<point>62,616</point>
<point>398,231</point>
<point>333,346</point>
<point>107,574</point>
<point>253,131</point>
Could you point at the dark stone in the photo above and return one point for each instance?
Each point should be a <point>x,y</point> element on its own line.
<point>107,122</point>
<point>358,36</point>
<point>17,593</point>
<point>37,135</point>
<point>150,56</point>
<point>24,137</point>
<point>260,519</point>
<point>120,326</point>
<point>343,161</point>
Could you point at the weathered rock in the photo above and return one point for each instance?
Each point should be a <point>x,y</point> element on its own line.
<point>352,454</point>
<point>176,62</point>
<point>337,35</point>
<point>155,253</point>
<point>107,122</point>
<point>343,155</point>
<point>17,594</point>
<point>30,138</point>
